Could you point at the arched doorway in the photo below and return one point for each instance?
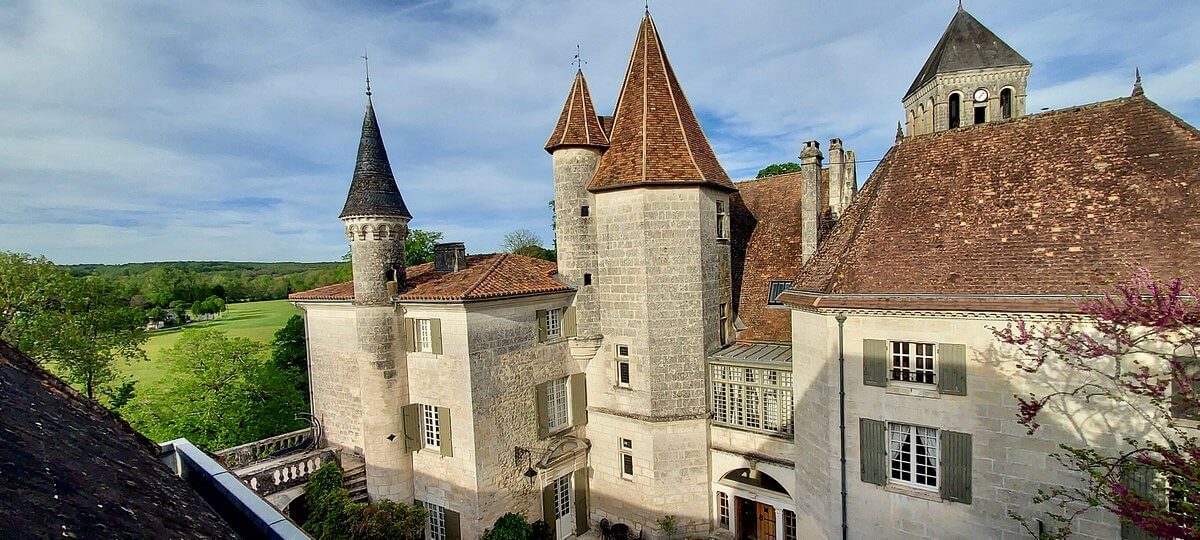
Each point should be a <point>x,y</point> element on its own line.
<point>755,506</point>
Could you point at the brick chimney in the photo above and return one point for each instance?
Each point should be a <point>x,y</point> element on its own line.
<point>449,257</point>
<point>811,198</point>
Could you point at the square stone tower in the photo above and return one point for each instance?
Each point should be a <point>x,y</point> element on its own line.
<point>971,77</point>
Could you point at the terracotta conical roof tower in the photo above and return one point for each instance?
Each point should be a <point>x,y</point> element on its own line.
<point>578,124</point>
<point>373,191</point>
<point>656,138</point>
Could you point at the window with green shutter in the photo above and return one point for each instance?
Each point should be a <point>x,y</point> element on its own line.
<point>411,415</point>
<point>1139,480</point>
<point>541,402</point>
<point>952,369</point>
<point>579,416</point>
<point>541,325</point>
<point>1184,405</point>
<point>956,466</point>
<point>875,362</point>
<point>872,451</point>
<point>410,335</point>
<point>570,326</point>
<point>447,439</point>
<point>581,501</point>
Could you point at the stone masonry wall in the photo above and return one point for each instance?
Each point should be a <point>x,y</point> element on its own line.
<point>965,83</point>
<point>333,373</point>
<point>575,234</point>
<point>1008,466</point>
<point>383,378</point>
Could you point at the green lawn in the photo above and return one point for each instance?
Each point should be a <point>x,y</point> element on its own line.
<point>255,320</point>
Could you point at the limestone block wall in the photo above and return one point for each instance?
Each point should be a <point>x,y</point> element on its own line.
<point>384,383</point>
<point>1008,466</point>
<point>333,372</point>
<point>937,93</point>
<point>444,380</point>
<point>575,234</point>
<point>506,364</point>
<point>377,249</point>
<point>756,446</point>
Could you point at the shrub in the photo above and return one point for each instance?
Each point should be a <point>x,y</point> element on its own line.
<point>510,526</point>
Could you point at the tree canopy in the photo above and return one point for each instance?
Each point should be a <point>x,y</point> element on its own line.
<point>778,168</point>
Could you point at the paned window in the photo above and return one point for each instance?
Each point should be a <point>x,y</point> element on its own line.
<point>757,399</point>
<point>913,362</point>
<point>913,455</point>
<point>722,221</point>
<point>556,393</point>
<point>723,318</point>
<point>789,525</point>
<point>437,522</point>
<point>722,510</point>
<point>626,458</point>
<point>554,323</point>
<point>433,432</point>
<point>777,288</point>
<point>424,335</point>
<point>623,373</point>
<point>562,496</point>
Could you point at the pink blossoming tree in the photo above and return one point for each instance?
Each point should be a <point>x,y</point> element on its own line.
<point>1135,349</point>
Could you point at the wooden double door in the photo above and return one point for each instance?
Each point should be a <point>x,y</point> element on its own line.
<point>755,520</point>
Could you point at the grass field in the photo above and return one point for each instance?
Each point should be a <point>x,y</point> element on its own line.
<point>255,320</point>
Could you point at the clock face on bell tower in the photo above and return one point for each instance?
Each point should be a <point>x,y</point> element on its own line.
<point>981,95</point>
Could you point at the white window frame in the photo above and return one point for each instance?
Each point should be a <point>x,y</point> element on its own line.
<point>903,460</point>
<point>554,320</point>
<point>772,296</point>
<point>423,329</point>
<point>723,321</point>
<point>435,528</point>
<point>722,221</point>
<point>626,459</point>
<point>752,398</point>
<point>558,404</point>
<point>431,427</point>
<point>562,496</point>
<point>921,359</point>
<point>623,367</point>
<point>723,510</point>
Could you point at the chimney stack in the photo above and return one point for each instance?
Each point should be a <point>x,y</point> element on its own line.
<point>449,257</point>
<point>811,198</point>
<point>837,168</point>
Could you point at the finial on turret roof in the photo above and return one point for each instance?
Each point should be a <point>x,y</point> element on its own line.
<point>899,132</point>
<point>367,67</point>
<point>1137,83</point>
<point>960,7</point>
<point>579,61</point>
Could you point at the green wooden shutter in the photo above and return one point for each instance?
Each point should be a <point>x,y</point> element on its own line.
<point>410,340</point>
<point>541,401</point>
<point>581,501</point>
<point>1181,406</point>
<point>548,506</point>
<point>541,325</point>
<point>1140,481</point>
<point>952,369</point>
<point>956,466</point>
<point>446,431</point>
<point>413,440</point>
<point>872,450</point>
<point>579,399</point>
<point>453,527</point>
<point>435,330</point>
<point>875,361</point>
<point>570,327</point>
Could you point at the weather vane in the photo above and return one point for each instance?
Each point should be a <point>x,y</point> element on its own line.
<point>579,61</point>
<point>367,67</point>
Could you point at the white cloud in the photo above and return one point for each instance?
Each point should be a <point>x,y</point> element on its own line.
<point>149,131</point>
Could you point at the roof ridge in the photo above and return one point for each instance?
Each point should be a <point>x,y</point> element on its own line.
<point>486,274</point>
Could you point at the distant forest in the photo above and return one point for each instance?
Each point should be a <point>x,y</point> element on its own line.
<point>159,284</point>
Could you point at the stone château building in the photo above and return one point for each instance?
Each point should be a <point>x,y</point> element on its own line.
<point>682,356</point>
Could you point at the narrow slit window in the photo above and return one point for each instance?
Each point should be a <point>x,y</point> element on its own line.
<point>587,279</point>
<point>722,510</point>
<point>955,110</point>
<point>722,221</point>
<point>585,211</point>
<point>1006,103</point>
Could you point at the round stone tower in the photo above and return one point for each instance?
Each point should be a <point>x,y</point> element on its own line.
<point>575,147</point>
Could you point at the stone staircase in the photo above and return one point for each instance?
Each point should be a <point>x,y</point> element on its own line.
<point>354,477</point>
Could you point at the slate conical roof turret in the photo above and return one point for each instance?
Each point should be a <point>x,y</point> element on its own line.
<point>578,124</point>
<point>373,190</point>
<point>966,44</point>
<point>656,138</point>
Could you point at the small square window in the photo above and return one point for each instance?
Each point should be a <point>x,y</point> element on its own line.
<point>587,279</point>
<point>777,288</point>
<point>585,211</point>
<point>626,444</point>
<point>623,350</point>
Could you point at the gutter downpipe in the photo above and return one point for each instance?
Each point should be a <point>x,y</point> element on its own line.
<point>841,320</point>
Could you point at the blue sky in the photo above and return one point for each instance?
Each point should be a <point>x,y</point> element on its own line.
<point>227,130</point>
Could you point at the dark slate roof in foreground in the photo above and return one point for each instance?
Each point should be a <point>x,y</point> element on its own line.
<point>966,44</point>
<point>71,469</point>
<point>373,190</point>
<point>1057,203</point>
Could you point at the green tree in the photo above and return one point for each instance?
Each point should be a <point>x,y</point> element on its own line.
<point>80,326</point>
<point>223,392</point>
<point>332,516</point>
<point>418,247</point>
<point>510,526</point>
<point>778,168</point>
<point>520,239</point>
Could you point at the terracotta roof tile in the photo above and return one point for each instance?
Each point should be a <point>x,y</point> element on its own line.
<point>486,276</point>
<point>1054,203</point>
<point>765,246</point>
<point>655,138</point>
<point>73,468</point>
<point>578,124</point>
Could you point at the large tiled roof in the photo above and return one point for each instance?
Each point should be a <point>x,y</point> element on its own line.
<point>765,246</point>
<point>72,469</point>
<point>1057,203</point>
<point>655,138</point>
<point>578,124</point>
<point>493,275</point>
<point>966,44</point>
<point>373,190</point>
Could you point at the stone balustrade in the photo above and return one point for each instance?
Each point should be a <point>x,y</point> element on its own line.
<point>239,457</point>
<point>274,476</point>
